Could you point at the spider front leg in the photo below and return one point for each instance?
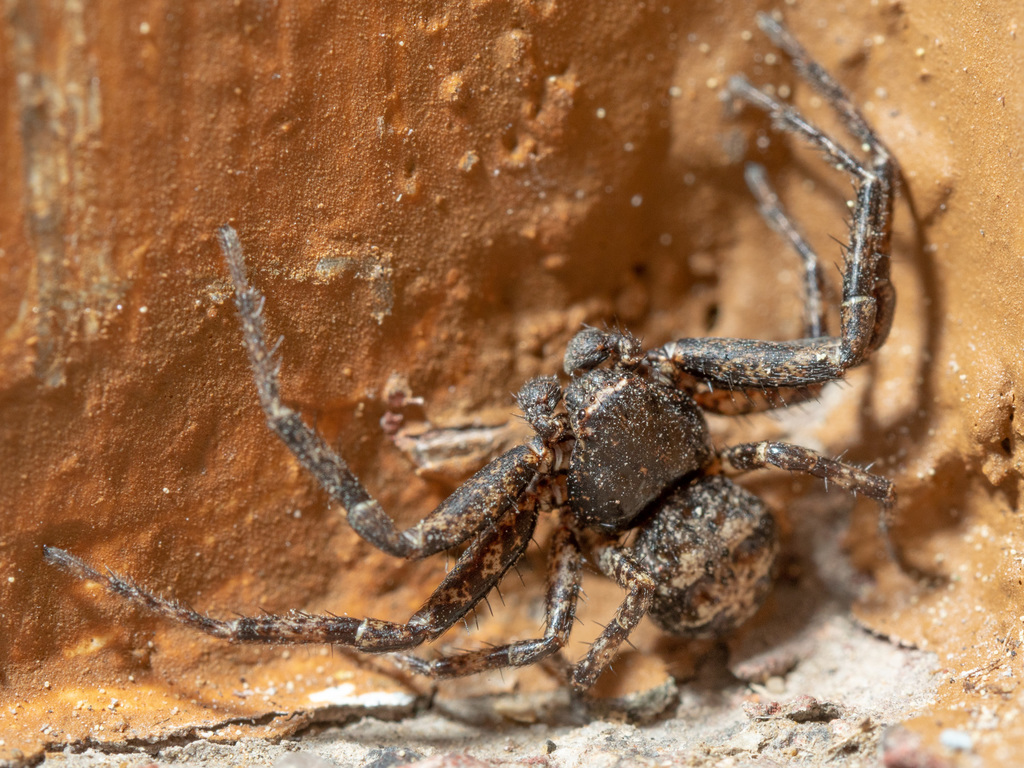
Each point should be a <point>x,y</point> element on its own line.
<point>726,401</point>
<point>485,497</point>
<point>730,401</point>
<point>868,297</point>
<point>876,177</point>
<point>559,611</point>
<point>476,572</point>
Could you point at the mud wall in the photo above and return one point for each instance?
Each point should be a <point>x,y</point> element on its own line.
<point>434,197</point>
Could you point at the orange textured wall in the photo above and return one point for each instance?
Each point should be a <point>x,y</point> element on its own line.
<point>437,195</point>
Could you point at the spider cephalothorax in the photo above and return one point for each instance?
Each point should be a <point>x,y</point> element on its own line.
<point>634,439</point>
<point>623,448</point>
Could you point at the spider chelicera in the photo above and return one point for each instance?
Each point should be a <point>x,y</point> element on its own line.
<point>623,447</point>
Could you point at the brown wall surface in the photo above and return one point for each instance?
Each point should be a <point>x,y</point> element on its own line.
<point>434,197</point>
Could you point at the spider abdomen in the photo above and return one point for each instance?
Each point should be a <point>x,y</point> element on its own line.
<point>711,547</point>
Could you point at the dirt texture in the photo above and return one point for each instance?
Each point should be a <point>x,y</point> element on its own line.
<point>434,197</point>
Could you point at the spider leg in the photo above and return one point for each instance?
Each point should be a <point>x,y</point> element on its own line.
<point>618,564</point>
<point>725,401</point>
<point>881,168</point>
<point>819,79</point>
<point>886,169</point>
<point>772,211</point>
<point>489,494</point>
<point>868,297</point>
<point>560,612</point>
<point>768,453</point>
<point>475,573</point>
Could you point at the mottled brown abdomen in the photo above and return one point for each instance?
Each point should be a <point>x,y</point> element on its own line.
<point>711,548</point>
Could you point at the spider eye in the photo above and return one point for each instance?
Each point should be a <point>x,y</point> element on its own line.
<point>581,414</point>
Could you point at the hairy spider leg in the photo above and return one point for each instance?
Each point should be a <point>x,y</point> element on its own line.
<point>618,564</point>
<point>725,401</point>
<point>476,572</point>
<point>772,212</point>
<point>868,297</point>
<point>746,457</point>
<point>885,169</point>
<point>488,495</point>
<point>563,577</point>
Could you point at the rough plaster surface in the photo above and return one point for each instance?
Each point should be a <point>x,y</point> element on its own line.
<point>434,198</point>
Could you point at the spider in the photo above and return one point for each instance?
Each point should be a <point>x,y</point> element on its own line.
<point>621,456</point>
